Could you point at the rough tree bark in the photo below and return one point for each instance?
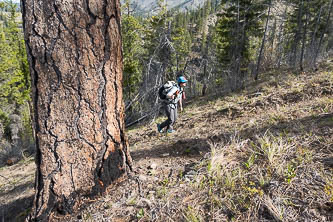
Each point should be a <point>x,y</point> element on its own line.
<point>75,57</point>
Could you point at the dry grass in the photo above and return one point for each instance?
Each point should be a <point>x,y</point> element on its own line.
<point>265,154</point>
<point>266,178</point>
<point>278,166</point>
<point>262,155</point>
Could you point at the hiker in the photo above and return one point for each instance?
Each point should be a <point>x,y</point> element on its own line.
<point>171,93</point>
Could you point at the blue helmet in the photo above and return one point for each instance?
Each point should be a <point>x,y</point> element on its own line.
<point>181,79</point>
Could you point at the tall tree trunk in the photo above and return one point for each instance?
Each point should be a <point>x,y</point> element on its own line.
<point>263,42</point>
<point>74,52</point>
<point>236,52</point>
<point>297,34</point>
<point>312,50</point>
<point>322,34</point>
<point>280,38</point>
<point>204,88</point>
<point>304,37</point>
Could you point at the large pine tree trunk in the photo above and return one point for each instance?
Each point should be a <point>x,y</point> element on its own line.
<point>74,52</point>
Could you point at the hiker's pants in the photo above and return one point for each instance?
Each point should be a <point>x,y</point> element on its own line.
<point>171,112</point>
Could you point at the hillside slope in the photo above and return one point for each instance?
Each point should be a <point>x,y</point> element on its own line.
<point>264,154</point>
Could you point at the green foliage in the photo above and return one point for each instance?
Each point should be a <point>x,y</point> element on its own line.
<point>14,71</point>
<point>14,75</point>
<point>250,161</point>
<point>155,27</point>
<point>306,23</point>
<point>182,44</point>
<point>192,215</point>
<point>290,172</point>
<point>5,121</point>
<point>329,189</point>
<point>27,134</point>
<point>132,51</point>
<point>140,213</point>
<point>235,26</point>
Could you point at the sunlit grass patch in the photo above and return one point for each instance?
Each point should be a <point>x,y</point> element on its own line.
<point>260,178</point>
<point>329,189</point>
<point>275,149</point>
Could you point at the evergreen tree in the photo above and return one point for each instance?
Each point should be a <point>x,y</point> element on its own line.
<point>132,51</point>
<point>181,42</point>
<point>157,41</point>
<point>306,23</point>
<point>14,72</point>
<point>236,25</point>
<point>156,28</point>
<point>77,94</point>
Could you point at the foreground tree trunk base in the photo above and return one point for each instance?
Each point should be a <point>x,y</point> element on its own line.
<point>63,205</point>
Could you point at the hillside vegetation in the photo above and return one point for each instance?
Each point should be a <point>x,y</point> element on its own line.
<point>253,144</point>
<point>217,46</point>
<point>262,154</point>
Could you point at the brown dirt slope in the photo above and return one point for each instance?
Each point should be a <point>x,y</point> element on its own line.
<point>263,154</point>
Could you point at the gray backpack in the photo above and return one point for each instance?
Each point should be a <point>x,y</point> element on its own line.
<point>165,89</point>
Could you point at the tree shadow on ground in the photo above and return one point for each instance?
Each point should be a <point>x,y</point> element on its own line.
<point>320,125</point>
<point>186,148</point>
<point>328,162</point>
<point>17,189</point>
<point>17,210</point>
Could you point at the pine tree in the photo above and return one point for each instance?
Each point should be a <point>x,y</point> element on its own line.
<point>77,95</point>
<point>14,72</point>
<point>156,28</point>
<point>306,24</point>
<point>181,42</point>
<point>236,24</point>
<point>157,41</point>
<point>132,51</point>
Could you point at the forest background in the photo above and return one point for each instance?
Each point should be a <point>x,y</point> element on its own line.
<point>220,46</point>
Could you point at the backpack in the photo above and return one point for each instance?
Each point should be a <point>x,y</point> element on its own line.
<point>164,89</point>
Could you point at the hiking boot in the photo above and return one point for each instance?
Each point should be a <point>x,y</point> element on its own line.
<point>159,128</point>
<point>170,131</point>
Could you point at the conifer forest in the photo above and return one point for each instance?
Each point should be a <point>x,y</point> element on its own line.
<point>222,47</point>
<point>218,47</point>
